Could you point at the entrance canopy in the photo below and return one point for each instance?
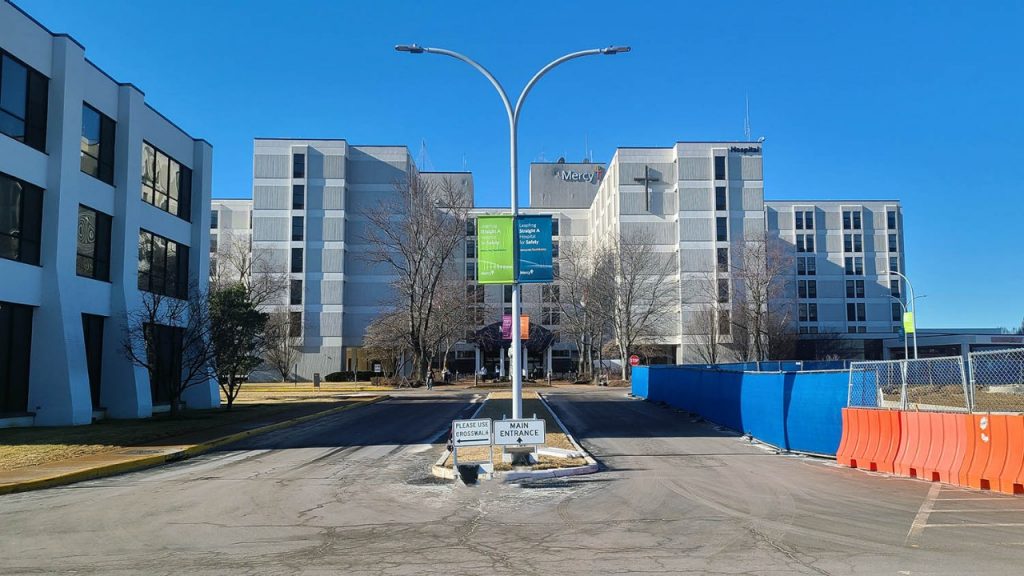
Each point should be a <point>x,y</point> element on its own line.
<point>489,339</point>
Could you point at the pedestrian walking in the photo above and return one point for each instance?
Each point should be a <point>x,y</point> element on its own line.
<point>430,379</point>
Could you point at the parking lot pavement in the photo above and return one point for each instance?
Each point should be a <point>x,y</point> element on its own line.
<point>352,494</point>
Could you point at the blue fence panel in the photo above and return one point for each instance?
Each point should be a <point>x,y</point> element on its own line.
<point>812,410</point>
<point>639,381</point>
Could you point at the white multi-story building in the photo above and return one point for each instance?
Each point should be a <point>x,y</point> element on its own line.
<point>697,204</point>
<point>82,152</point>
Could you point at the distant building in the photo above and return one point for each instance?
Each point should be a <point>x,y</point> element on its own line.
<point>699,203</point>
<point>81,152</point>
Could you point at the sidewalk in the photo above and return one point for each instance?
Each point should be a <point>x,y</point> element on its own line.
<point>171,449</point>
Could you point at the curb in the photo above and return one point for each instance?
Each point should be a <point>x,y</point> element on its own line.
<point>174,456</point>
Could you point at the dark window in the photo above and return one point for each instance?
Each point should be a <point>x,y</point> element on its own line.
<point>724,324</point>
<point>801,267</point>
<point>801,289</point>
<point>163,266</point>
<point>893,243</point>
<point>470,249</point>
<point>507,294</point>
<point>296,260</point>
<point>165,347</point>
<point>854,288</point>
<point>554,248</point>
<point>894,264</point>
<point>805,243</point>
<point>97,154</point>
<point>297,224</point>
<point>213,244</point>
<point>554,226</point>
<point>166,184</point>
<point>294,324</point>
<point>856,220</point>
<point>721,198</point>
<point>890,219</point>
<point>855,312</point>
<point>897,312</point>
<point>722,228</point>
<point>299,165</point>
<point>23,101</point>
<point>21,220</point>
<point>799,218</point>
<point>812,266</point>
<point>550,294</point>
<point>550,316</point>
<point>723,259</point>
<point>719,167</point>
<point>92,329</point>
<point>812,312</point>
<point>470,271</point>
<point>894,287</point>
<point>214,220</point>
<point>475,294</point>
<point>471,226</point>
<point>847,218</point>
<point>93,244</point>
<point>809,220</point>
<point>298,197</point>
<point>858,242</point>
<point>15,352</point>
<point>296,292</point>
<point>854,265</point>
<point>812,288</point>
<point>723,290</point>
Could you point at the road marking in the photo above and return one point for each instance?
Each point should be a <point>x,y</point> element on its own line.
<point>921,520</point>
<point>979,510</point>
<point>976,525</point>
<point>971,499</point>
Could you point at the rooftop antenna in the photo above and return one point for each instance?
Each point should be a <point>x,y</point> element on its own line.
<point>586,147</point>
<point>424,160</point>
<point>465,164</point>
<point>746,117</point>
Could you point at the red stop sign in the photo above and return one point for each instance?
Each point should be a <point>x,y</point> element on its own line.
<point>634,360</point>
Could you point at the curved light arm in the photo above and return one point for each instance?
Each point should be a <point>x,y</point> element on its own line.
<point>414,49</point>
<point>913,305</point>
<point>902,305</point>
<point>545,70</point>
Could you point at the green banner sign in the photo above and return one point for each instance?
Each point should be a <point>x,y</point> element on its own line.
<point>908,322</point>
<point>495,249</point>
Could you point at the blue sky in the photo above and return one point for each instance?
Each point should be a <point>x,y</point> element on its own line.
<point>918,101</point>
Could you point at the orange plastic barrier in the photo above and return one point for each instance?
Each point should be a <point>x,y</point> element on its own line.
<point>845,452</point>
<point>914,442</point>
<point>948,442</point>
<point>1012,479</point>
<point>870,439</point>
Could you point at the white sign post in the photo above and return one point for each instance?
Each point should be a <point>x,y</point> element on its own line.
<point>470,433</point>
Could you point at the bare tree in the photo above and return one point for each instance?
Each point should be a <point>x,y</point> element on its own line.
<point>582,301</point>
<point>705,294</point>
<point>640,294</point>
<point>239,264</point>
<point>281,352</point>
<point>171,338</point>
<point>416,235</point>
<point>452,316</point>
<point>761,280</point>
<point>387,341</point>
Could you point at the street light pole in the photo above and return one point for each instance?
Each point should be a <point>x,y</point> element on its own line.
<point>913,306</point>
<point>513,123</point>
<point>903,306</point>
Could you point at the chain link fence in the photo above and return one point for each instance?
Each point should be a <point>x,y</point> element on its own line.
<point>927,384</point>
<point>997,380</point>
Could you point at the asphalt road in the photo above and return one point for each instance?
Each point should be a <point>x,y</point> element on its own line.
<point>351,494</point>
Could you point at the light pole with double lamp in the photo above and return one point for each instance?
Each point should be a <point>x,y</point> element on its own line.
<point>513,124</point>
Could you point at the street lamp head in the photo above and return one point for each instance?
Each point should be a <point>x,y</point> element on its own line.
<point>410,48</point>
<point>612,50</point>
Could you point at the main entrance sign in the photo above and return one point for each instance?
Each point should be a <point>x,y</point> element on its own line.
<point>526,432</point>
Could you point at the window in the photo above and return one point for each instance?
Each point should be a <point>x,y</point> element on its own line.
<point>93,244</point>
<point>213,244</point>
<point>166,184</point>
<point>805,242</point>
<point>851,220</point>
<point>719,167</point>
<point>723,290</point>
<point>722,229</point>
<point>807,288</point>
<point>475,294</point>
<point>471,227</point>
<point>550,294</point>
<point>213,266</point>
<point>470,271</point>
<point>853,242</point>
<point>214,220</point>
<point>890,219</point>
<point>550,316</point>
<point>802,312</point>
<point>554,226</point>
<point>297,260</point>
<point>855,312</point>
<point>23,100</point>
<point>893,243</point>
<point>721,201</point>
<point>298,197</point>
<point>97,147</point>
<point>724,322</point>
<point>92,330</point>
<point>897,312</point>
<point>806,266</point>
<point>894,287</point>
<point>894,264</point>
<point>854,265</point>
<point>295,292</point>
<point>507,294</point>
<point>554,248</point>
<point>299,165</point>
<point>163,266</point>
<point>295,324</point>
<point>297,226</point>
<point>723,259</point>
<point>15,352</point>
<point>808,312</point>
<point>854,288</point>
<point>804,219</point>
<point>21,220</point>
<point>470,249</point>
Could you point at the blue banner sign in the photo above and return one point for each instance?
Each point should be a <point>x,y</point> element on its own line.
<point>534,234</point>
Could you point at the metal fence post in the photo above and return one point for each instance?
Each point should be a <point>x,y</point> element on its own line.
<point>968,389</point>
<point>904,403</point>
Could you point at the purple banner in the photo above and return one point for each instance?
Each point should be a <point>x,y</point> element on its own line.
<point>506,327</point>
